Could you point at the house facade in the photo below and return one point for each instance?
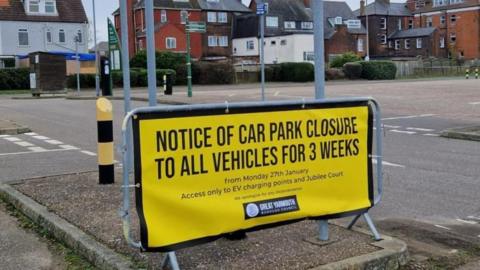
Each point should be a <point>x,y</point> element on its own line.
<point>42,25</point>
<point>457,23</point>
<point>170,18</point>
<point>289,33</point>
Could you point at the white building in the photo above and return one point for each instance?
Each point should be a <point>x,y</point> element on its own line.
<point>42,25</point>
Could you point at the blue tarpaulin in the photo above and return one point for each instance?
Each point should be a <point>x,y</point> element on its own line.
<point>68,56</point>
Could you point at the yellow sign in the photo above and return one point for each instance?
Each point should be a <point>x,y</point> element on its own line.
<point>203,174</point>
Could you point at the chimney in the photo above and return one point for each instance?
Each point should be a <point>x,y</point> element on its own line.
<point>362,7</point>
<point>307,3</point>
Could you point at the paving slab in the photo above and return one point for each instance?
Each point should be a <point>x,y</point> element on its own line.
<point>8,127</point>
<point>84,205</point>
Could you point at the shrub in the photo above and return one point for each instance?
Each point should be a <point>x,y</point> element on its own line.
<point>86,81</point>
<point>339,61</point>
<point>353,70</point>
<point>163,60</point>
<point>378,70</point>
<point>334,74</point>
<point>11,79</point>
<point>290,72</point>
<point>272,73</point>
<point>214,73</point>
<point>139,77</point>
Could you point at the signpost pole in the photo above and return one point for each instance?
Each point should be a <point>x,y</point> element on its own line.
<point>78,65</point>
<point>97,76</point>
<point>262,49</point>
<point>151,65</point>
<point>189,60</point>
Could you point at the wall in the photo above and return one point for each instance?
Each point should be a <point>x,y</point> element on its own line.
<point>239,46</point>
<point>37,37</point>
<point>291,52</point>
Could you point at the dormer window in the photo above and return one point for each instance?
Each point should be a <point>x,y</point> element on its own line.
<point>34,6</point>
<point>50,6</point>
<point>41,7</point>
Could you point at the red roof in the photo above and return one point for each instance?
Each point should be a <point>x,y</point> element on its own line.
<point>70,11</point>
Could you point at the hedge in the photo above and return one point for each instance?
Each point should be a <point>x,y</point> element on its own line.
<point>290,72</point>
<point>378,70</point>
<point>341,60</point>
<point>353,70</point>
<point>213,73</point>
<point>12,79</point>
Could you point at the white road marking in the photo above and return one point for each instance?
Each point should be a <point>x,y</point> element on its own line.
<point>68,147</point>
<point>4,136</point>
<point>24,144</point>
<point>466,221</point>
<point>41,137</point>
<point>33,152</point>
<point>31,134</point>
<point>420,129</point>
<point>276,93</point>
<point>442,227</point>
<point>474,103</point>
<point>55,142</point>
<point>431,135</point>
<point>386,163</point>
<point>403,131</point>
<point>89,153</point>
<point>408,117</point>
<point>389,126</point>
<point>473,217</point>
<point>12,139</point>
<point>37,149</point>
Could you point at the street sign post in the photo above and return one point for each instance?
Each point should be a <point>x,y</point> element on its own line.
<point>114,47</point>
<point>192,27</point>
<point>262,9</point>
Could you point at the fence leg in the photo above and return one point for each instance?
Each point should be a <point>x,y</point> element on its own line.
<point>171,259</point>
<point>323,230</point>
<point>350,226</point>
<point>372,227</point>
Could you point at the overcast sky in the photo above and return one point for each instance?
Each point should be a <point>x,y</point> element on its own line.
<point>104,9</point>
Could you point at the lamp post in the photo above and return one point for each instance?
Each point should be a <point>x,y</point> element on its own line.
<point>367,58</point>
<point>97,79</point>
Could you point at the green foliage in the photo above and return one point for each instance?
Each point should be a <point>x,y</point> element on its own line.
<point>339,61</point>
<point>11,79</point>
<point>86,81</point>
<point>353,70</point>
<point>378,70</point>
<point>290,72</point>
<point>213,73</point>
<point>139,77</point>
<point>163,60</point>
<point>334,74</point>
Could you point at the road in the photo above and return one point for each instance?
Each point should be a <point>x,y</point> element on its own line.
<point>427,177</point>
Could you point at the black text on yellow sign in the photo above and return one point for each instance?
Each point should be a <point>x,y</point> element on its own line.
<point>207,173</point>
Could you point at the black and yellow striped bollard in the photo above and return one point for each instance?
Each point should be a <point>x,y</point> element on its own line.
<point>105,142</point>
<point>467,73</point>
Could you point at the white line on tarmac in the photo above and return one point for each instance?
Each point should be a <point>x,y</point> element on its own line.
<point>442,227</point>
<point>68,147</point>
<point>55,142</point>
<point>37,149</point>
<point>38,137</point>
<point>4,136</point>
<point>474,103</point>
<point>389,126</point>
<point>276,93</point>
<point>431,135</point>
<point>34,152</point>
<point>386,163</point>
<point>420,129</point>
<point>88,153</point>
<point>403,131</point>
<point>31,134</point>
<point>408,117</point>
<point>466,221</point>
<point>473,217</point>
<point>24,144</point>
<point>12,139</point>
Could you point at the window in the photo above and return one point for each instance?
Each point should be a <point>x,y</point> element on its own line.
<point>383,39</point>
<point>307,25</point>
<point>211,16</point>
<point>289,25</point>
<point>410,23</point>
<point>453,18</point>
<point>171,43</point>
<point>183,16</point>
<point>390,44</point>
<point>272,21</point>
<point>437,3</point>
<point>223,41</point>
<point>308,56</point>
<point>399,24</point>
<point>407,44</point>
<point>383,23</point>
<point>49,6</point>
<point>212,41</point>
<point>273,43</point>
<point>49,36</point>
<point>442,42</point>
<point>453,37</point>
<point>163,16</point>
<point>456,1</point>
<point>442,20</point>
<point>338,20</point>
<point>429,21</point>
<point>23,37</point>
<point>79,36</point>
<point>34,6</point>
<point>360,45</point>
<point>222,17</point>
<point>61,36</point>
<point>419,43</point>
<point>283,42</point>
<point>250,45</point>
<point>213,1</point>
<point>397,44</point>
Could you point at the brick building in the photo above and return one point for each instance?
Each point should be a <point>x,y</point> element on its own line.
<point>170,17</point>
<point>457,23</point>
